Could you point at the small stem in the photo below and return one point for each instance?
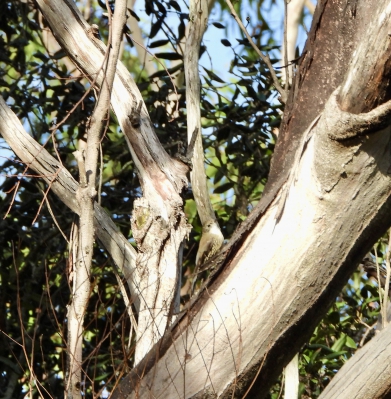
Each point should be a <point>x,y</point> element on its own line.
<point>387,283</point>
<point>378,282</point>
<point>286,47</point>
<point>82,168</point>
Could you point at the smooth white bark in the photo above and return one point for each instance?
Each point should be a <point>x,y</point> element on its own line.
<point>282,268</point>
<point>291,382</point>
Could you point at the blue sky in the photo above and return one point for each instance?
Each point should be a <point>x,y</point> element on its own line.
<point>221,55</point>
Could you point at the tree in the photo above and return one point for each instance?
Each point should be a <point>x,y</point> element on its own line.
<point>267,291</point>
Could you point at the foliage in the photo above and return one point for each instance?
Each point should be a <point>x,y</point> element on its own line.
<point>238,114</point>
<point>350,322</point>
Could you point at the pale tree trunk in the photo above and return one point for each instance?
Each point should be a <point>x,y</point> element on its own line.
<point>291,378</point>
<point>366,374</point>
<point>327,201</point>
<point>158,222</point>
<point>87,159</point>
<point>294,10</point>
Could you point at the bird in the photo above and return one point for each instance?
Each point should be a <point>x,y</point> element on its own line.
<point>371,269</point>
<point>211,241</point>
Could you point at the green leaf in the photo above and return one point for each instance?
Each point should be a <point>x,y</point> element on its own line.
<point>175,5</point>
<point>161,7</point>
<point>181,30</point>
<point>335,355</point>
<point>59,54</point>
<point>350,343</point>
<point>156,27</point>
<point>339,343</point>
<point>158,43</point>
<point>219,175</point>
<point>218,25</point>
<point>333,317</point>
<point>244,41</point>
<point>102,377</point>
<point>213,76</point>
<point>163,72</point>
<point>133,14</point>
<point>41,56</point>
<point>223,188</point>
<point>169,56</point>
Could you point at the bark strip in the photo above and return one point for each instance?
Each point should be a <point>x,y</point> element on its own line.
<point>212,237</point>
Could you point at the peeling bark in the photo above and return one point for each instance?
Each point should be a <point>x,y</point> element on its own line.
<point>283,271</point>
<point>162,178</point>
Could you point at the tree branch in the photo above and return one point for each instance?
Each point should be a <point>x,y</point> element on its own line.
<point>256,313</point>
<point>86,193</point>
<point>212,238</point>
<point>64,186</point>
<point>162,178</point>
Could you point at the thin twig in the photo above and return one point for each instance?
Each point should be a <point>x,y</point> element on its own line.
<point>368,330</point>
<point>387,283</point>
<point>378,276</point>
<point>100,174</point>
<point>54,218</point>
<point>264,58</point>
<point>15,189</point>
<point>286,46</point>
<point>45,194</point>
<point>132,318</point>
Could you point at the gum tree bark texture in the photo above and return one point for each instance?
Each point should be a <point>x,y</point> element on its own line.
<point>158,222</point>
<point>198,20</point>
<point>327,201</point>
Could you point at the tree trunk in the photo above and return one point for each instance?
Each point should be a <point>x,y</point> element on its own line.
<point>327,201</point>
<point>158,222</point>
